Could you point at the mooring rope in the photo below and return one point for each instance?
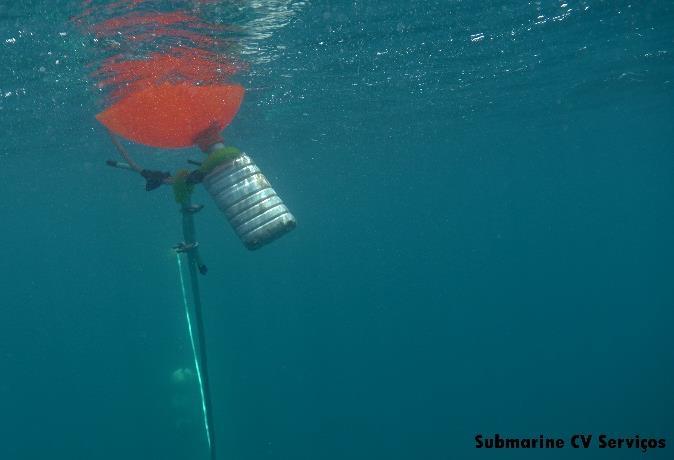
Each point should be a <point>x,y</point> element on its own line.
<point>194,350</point>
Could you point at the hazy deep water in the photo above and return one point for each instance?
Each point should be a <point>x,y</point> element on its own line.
<point>485,197</point>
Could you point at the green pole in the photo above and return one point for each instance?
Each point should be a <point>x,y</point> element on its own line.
<point>193,262</point>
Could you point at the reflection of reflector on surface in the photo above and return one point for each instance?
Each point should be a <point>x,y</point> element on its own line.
<point>172,115</point>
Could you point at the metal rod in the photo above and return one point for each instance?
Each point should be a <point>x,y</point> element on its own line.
<point>193,261</point>
<point>119,165</point>
<point>130,164</point>
<point>122,151</point>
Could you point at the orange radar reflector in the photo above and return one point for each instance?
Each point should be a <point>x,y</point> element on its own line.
<point>172,115</point>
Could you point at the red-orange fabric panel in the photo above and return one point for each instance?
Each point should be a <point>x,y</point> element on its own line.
<point>172,115</point>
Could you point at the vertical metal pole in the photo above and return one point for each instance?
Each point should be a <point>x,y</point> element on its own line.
<point>193,262</point>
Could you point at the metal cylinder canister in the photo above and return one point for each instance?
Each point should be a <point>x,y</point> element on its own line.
<point>254,210</point>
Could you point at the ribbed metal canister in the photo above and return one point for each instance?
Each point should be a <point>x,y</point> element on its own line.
<point>254,210</point>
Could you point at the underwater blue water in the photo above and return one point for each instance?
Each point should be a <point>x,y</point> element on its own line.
<point>484,194</point>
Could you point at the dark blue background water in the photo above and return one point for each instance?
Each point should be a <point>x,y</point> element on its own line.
<point>484,193</point>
